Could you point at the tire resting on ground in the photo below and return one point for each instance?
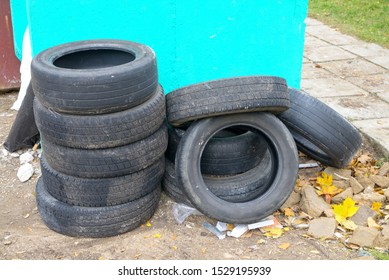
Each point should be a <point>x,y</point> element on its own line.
<point>102,131</point>
<point>284,168</point>
<point>319,131</point>
<point>227,96</point>
<point>94,221</point>
<point>227,153</point>
<point>105,163</point>
<point>111,82</point>
<point>101,192</point>
<point>235,188</point>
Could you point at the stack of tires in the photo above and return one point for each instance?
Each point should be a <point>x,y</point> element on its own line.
<point>101,115</point>
<point>232,150</point>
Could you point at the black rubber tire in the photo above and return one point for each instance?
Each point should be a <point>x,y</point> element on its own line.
<point>319,131</point>
<point>94,76</point>
<point>236,188</point>
<point>284,170</point>
<point>227,153</point>
<point>102,131</point>
<point>102,192</point>
<point>107,163</point>
<point>94,221</point>
<point>227,96</point>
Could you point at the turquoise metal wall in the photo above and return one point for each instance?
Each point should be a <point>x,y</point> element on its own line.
<point>194,40</point>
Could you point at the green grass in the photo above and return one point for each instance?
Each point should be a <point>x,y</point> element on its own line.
<point>380,255</point>
<point>367,20</point>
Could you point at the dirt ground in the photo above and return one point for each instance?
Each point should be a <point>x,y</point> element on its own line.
<point>23,235</point>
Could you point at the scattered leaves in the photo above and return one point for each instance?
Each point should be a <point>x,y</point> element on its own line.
<point>148,224</point>
<point>284,246</point>
<point>345,210</point>
<point>326,187</point>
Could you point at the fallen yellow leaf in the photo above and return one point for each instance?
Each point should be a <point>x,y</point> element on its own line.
<point>344,210</point>
<point>288,212</point>
<point>348,224</point>
<point>274,232</point>
<point>174,247</point>
<point>148,224</point>
<point>326,187</point>
<point>376,206</point>
<point>101,258</point>
<point>157,235</point>
<point>284,246</point>
<point>230,227</point>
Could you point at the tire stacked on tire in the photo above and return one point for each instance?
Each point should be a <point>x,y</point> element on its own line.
<point>101,115</point>
<point>256,166</point>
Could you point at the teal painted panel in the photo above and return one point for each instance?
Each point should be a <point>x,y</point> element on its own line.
<point>19,24</point>
<point>194,41</point>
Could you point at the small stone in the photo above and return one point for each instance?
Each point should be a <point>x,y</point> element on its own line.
<point>381,181</point>
<point>338,174</point>
<point>341,184</point>
<point>14,155</point>
<point>364,212</point>
<point>342,196</point>
<point>7,242</point>
<point>384,169</point>
<point>25,158</point>
<point>369,198</point>
<point>322,227</point>
<point>25,172</point>
<point>365,182</point>
<point>355,185</point>
<point>383,238</point>
<point>329,213</point>
<point>364,236</point>
<point>293,199</point>
<point>311,203</point>
<point>5,153</point>
<point>386,193</point>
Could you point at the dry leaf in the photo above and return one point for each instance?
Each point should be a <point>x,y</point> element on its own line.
<point>203,250</point>
<point>273,232</point>
<point>344,210</point>
<point>261,241</point>
<point>326,187</point>
<point>364,159</point>
<point>288,212</point>
<point>348,224</point>
<point>230,226</point>
<point>376,206</point>
<point>157,235</point>
<point>174,247</point>
<point>148,224</point>
<point>101,258</point>
<point>284,246</point>
<point>372,224</point>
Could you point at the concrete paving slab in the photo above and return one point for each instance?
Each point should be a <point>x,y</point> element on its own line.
<point>320,31</point>
<point>311,42</point>
<point>312,22</point>
<point>340,39</point>
<point>329,53</point>
<point>352,67</point>
<point>366,50</point>
<point>377,131</point>
<point>314,71</point>
<point>331,87</point>
<point>356,108</point>
<point>377,83</point>
<point>306,60</point>
<point>380,60</point>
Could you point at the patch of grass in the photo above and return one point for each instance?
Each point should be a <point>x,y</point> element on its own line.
<point>378,255</point>
<point>365,19</point>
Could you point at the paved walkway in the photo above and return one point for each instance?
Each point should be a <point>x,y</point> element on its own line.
<point>351,76</point>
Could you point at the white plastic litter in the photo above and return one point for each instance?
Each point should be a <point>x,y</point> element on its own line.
<point>214,230</point>
<point>25,172</point>
<point>221,226</point>
<point>264,223</point>
<point>308,165</point>
<point>25,70</point>
<point>238,231</point>
<point>181,212</point>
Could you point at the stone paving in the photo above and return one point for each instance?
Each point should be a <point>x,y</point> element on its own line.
<point>351,76</point>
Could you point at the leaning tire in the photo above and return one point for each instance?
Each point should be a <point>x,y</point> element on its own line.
<point>102,131</point>
<point>101,192</point>
<point>94,77</point>
<point>227,153</point>
<point>105,163</point>
<point>235,188</point>
<point>94,221</point>
<point>319,131</point>
<point>227,96</point>
<point>284,168</point>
